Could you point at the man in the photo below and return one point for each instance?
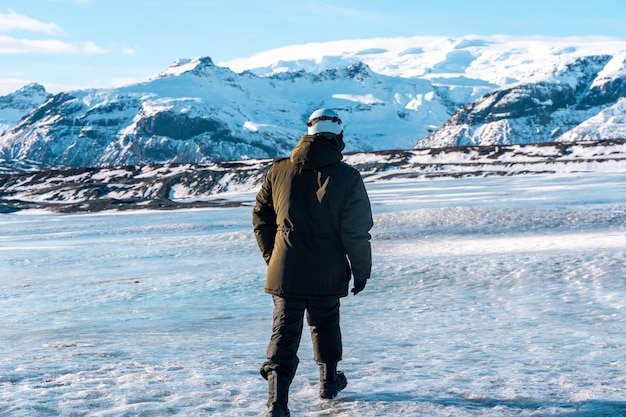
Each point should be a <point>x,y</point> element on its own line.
<point>311,219</point>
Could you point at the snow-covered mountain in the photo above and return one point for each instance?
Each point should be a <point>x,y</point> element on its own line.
<point>199,112</point>
<point>391,93</point>
<point>15,106</point>
<point>583,100</point>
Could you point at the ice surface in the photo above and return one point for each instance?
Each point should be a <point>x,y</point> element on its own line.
<point>489,297</point>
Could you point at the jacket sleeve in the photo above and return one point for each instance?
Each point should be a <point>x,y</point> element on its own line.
<point>264,219</point>
<point>355,226</point>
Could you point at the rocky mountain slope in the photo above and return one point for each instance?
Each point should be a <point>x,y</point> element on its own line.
<point>173,186</point>
<point>392,94</point>
<point>15,106</point>
<point>583,100</point>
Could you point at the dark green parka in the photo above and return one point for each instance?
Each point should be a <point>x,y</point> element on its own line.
<point>312,219</point>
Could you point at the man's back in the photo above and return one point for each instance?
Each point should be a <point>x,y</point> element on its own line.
<point>311,220</point>
<point>321,215</point>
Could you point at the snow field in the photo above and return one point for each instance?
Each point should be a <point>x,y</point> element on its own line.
<point>489,297</point>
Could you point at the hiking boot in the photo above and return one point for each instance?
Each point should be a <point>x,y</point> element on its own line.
<point>277,410</point>
<point>330,387</point>
<point>278,390</point>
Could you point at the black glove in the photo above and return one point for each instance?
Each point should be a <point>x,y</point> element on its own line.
<point>359,284</point>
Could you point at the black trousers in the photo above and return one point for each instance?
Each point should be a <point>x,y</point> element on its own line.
<point>323,318</point>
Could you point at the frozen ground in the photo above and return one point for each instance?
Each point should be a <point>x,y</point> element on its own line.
<point>489,297</point>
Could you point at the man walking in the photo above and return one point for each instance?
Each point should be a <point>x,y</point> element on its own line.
<point>311,219</point>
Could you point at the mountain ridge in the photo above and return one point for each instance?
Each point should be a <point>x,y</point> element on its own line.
<point>396,93</point>
<point>220,184</point>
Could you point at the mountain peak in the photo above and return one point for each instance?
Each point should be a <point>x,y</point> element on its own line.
<point>14,106</point>
<point>184,65</point>
<point>32,89</point>
<point>29,90</point>
<point>391,94</point>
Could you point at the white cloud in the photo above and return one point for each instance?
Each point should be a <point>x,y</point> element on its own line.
<point>12,21</point>
<point>10,45</point>
<point>91,48</point>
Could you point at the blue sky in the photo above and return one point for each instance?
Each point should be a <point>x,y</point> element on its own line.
<point>69,44</point>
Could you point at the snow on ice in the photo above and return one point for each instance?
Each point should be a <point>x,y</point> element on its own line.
<point>497,296</point>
